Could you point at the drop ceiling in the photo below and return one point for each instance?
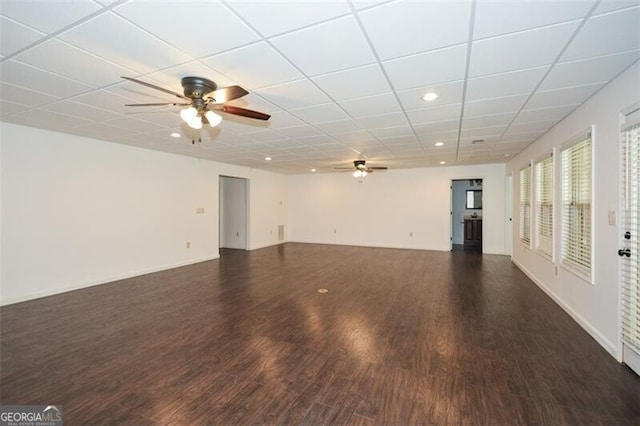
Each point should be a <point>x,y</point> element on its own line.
<point>341,79</point>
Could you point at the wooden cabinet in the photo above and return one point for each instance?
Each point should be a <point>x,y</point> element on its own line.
<point>473,232</point>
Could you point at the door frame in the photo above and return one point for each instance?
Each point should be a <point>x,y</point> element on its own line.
<point>247,191</point>
<point>483,179</point>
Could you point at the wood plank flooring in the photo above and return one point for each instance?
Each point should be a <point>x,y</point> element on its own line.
<point>402,337</point>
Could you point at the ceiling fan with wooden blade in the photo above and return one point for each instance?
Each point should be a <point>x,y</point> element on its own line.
<point>361,166</point>
<point>203,98</point>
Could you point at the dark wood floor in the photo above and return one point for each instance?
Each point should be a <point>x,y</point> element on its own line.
<point>402,337</point>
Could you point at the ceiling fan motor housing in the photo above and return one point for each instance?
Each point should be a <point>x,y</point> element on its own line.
<point>197,87</point>
<point>359,164</point>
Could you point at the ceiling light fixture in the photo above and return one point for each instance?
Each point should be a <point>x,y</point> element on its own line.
<point>267,158</point>
<point>313,170</point>
<point>430,96</point>
<point>439,143</point>
<point>443,162</point>
<point>175,135</point>
<point>193,118</point>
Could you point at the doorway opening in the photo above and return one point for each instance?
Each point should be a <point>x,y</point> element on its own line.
<point>466,214</point>
<point>233,223</point>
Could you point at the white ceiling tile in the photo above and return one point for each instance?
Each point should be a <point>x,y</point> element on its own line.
<point>494,106</point>
<point>354,83</point>
<point>48,16</point>
<point>131,124</point>
<point>280,119</point>
<point>604,34</point>
<point>544,114</point>
<point>429,115</point>
<point>256,102</point>
<point>564,96</point>
<point>79,110</point>
<point>317,140</point>
<point>320,113</point>
<point>440,129</point>
<point>501,85</point>
<point>482,132</point>
<point>392,132</point>
<point>371,105</point>
<point>254,66</point>
<point>365,4</point>
<point>119,41</point>
<point>427,69</point>
<point>448,93</point>
<point>24,96</point>
<point>166,118</point>
<point>611,5</point>
<point>64,59</point>
<point>57,119</point>
<point>299,131</point>
<point>264,136</point>
<point>169,78</point>
<point>588,71</point>
<point>340,126</point>
<point>271,18</point>
<point>538,127</point>
<point>360,136</point>
<point>502,17</point>
<point>424,26</point>
<point>36,79</point>
<point>296,94</point>
<point>488,120</point>
<point>105,100</point>
<point>504,53</point>
<point>327,47</point>
<point>394,120</point>
<point>225,31</point>
<point>15,36</point>
<point>8,107</point>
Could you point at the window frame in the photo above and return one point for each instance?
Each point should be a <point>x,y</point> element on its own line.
<point>523,204</point>
<point>572,265</point>
<point>551,253</point>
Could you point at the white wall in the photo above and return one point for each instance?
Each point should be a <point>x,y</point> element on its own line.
<point>390,205</point>
<point>594,306</point>
<point>78,212</point>
<point>233,212</point>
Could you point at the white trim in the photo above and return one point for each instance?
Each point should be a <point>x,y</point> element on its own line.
<point>111,279</point>
<point>586,325</point>
<point>260,246</point>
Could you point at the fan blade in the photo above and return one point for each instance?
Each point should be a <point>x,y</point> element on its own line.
<point>377,168</point>
<point>156,87</point>
<point>161,104</point>
<point>244,112</point>
<point>227,94</point>
<point>344,168</point>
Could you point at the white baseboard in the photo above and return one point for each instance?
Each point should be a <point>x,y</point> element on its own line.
<point>65,289</point>
<point>586,325</point>
<point>259,246</point>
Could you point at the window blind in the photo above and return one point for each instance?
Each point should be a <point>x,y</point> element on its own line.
<point>630,269</point>
<point>576,207</point>
<point>544,206</point>
<point>525,205</point>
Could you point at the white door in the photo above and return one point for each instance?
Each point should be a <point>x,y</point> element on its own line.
<point>508,234</point>
<point>629,250</point>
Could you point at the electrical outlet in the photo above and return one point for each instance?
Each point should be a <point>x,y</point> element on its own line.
<point>237,234</point>
<point>335,231</point>
<point>188,244</point>
<point>411,234</point>
<point>612,218</point>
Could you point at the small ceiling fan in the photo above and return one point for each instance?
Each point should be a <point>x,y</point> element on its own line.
<point>360,169</point>
<point>202,99</point>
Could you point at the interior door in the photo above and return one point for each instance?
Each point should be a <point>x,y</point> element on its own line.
<point>630,242</point>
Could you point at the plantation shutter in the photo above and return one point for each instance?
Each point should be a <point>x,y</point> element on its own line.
<point>544,206</point>
<point>576,207</point>
<point>630,267</point>
<point>525,205</point>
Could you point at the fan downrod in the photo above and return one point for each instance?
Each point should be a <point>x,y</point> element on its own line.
<point>197,87</point>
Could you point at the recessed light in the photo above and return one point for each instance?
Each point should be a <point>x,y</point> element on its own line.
<point>507,155</point>
<point>175,135</point>
<point>313,170</point>
<point>430,96</point>
<point>267,158</point>
<point>439,143</point>
<point>443,162</point>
